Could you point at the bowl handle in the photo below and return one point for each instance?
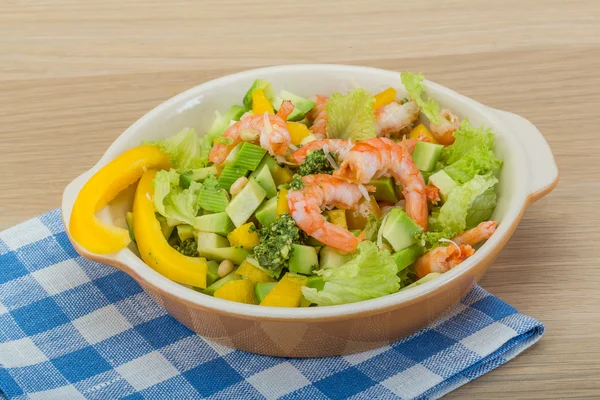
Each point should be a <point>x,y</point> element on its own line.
<point>543,171</point>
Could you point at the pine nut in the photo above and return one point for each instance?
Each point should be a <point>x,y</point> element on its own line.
<point>225,268</point>
<point>238,185</point>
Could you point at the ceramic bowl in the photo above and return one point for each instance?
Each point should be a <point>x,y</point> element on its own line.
<point>529,172</point>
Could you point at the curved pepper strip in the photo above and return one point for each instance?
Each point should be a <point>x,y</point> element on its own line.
<point>154,248</point>
<point>85,228</point>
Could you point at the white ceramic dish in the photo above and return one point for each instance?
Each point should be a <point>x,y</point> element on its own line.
<point>528,173</point>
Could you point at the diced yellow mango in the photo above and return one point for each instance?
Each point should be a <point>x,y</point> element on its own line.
<point>282,203</point>
<point>253,273</point>
<point>260,103</point>
<point>421,130</point>
<point>240,291</point>
<point>287,292</point>
<point>297,131</point>
<point>282,175</point>
<point>384,98</point>
<point>337,217</point>
<point>244,236</point>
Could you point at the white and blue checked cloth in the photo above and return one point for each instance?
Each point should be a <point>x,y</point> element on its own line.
<point>74,329</point>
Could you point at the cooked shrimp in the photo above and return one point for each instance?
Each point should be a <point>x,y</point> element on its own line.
<point>442,259</point>
<point>478,234</point>
<point>319,191</point>
<point>273,134</point>
<point>444,130</point>
<point>318,116</point>
<point>393,118</point>
<point>378,157</point>
<point>338,146</point>
<point>433,194</point>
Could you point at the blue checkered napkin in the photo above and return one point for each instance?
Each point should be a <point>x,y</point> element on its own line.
<point>74,329</point>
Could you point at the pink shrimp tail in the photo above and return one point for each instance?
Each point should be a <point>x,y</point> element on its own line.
<point>285,109</point>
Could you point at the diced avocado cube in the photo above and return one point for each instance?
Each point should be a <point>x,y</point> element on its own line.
<point>302,105</point>
<point>385,190</point>
<point>249,156</point>
<point>303,259</point>
<point>221,123</point>
<point>265,179</point>
<point>165,227</point>
<point>258,84</point>
<point>209,240</point>
<point>129,220</point>
<point>243,205</point>
<point>196,175</point>
<point>311,241</point>
<point>267,160</point>
<point>218,223</point>
<point>442,181</point>
<point>331,258</point>
<point>262,289</point>
<point>234,254</point>
<point>426,155</point>
<point>212,274</point>
<point>233,154</point>
<point>221,282</point>
<point>355,232</point>
<point>267,212</point>
<point>399,230</point>
<point>315,282</point>
<point>425,279</point>
<point>185,232</point>
<point>407,256</point>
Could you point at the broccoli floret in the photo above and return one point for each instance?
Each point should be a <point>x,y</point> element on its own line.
<point>316,163</point>
<point>275,246</point>
<point>188,247</point>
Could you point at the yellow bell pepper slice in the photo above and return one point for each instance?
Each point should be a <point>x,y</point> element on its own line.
<point>240,291</point>
<point>384,98</point>
<point>253,273</point>
<point>297,131</point>
<point>338,217</point>
<point>85,228</point>
<point>244,236</point>
<point>282,203</point>
<point>154,248</point>
<point>260,103</point>
<point>421,130</point>
<point>287,292</point>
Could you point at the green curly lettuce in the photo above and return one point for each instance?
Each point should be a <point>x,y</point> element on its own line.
<point>185,149</point>
<point>351,116</point>
<point>413,83</point>
<point>177,205</point>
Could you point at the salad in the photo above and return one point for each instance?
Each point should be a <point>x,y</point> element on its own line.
<point>293,202</point>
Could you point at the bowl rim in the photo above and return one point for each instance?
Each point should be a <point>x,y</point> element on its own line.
<point>128,262</point>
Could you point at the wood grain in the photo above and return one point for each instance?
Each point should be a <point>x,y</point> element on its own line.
<point>74,75</point>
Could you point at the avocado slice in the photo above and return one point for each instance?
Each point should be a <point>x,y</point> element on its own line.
<point>302,105</point>
<point>426,278</point>
<point>426,155</point>
<point>243,205</point>
<point>267,212</point>
<point>303,260</point>
<point>220,124</point>
<point>267,160</point>
<point>399,230</point>
<point>331,258</point>
<point>263,84</point>
<point>406,257</point>
<point>185,232</point>
<point>209,240</point>
<point>233,154</point>
<point>385,190</point>
<point>262,289</point>
<point>218,223</point>
<point>265,179</point>
<point>221,282</point>
<point>234,254</point>
<point>442,181</point>
<point>212,274</point>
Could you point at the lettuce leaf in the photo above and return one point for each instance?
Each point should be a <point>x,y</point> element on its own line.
<point>185,149</point>
<point>351,116</point>
<point>451,219</point>
<point>482,208</point>
<point>177,205</point>
<point>413,83</point>
<point>370,274</point>
<point>471,154</point>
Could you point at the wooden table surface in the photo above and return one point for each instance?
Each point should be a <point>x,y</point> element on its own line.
<point>75,74</point>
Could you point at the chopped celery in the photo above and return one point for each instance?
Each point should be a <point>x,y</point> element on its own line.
<point>229,175</point>
<point>249,156</point>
